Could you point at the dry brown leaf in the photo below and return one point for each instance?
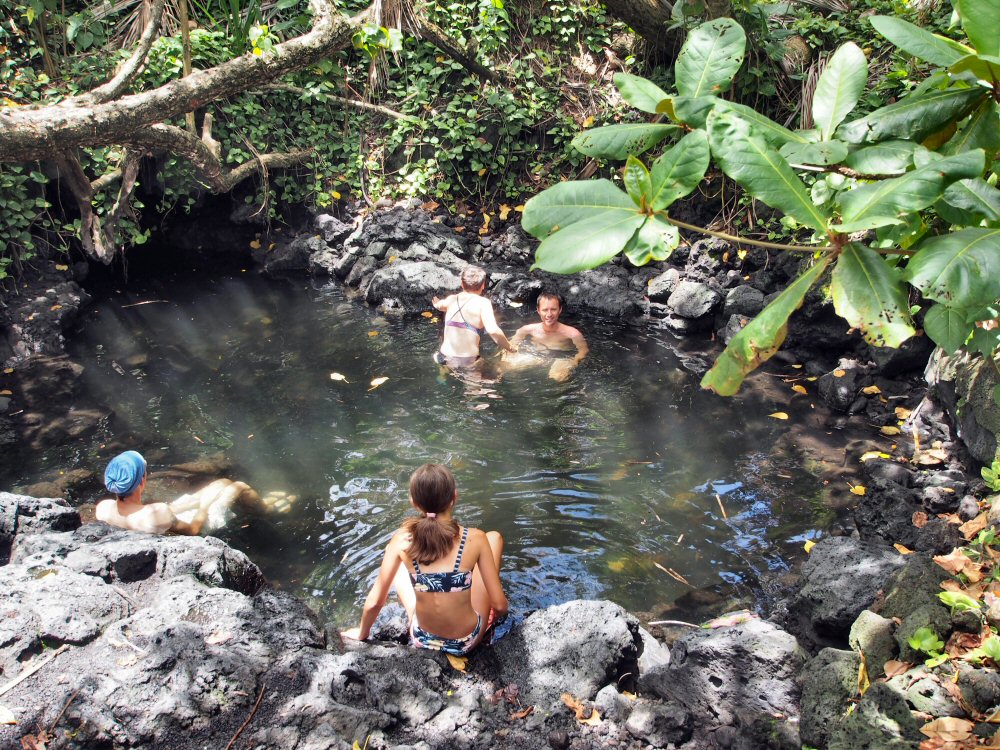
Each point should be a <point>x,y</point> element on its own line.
<point>888,430</point>
<point>593,720</point>
<point>372,334</point>
<point>457,662</point>
<point>893,668</point>
<point>932,457</point>
<point>956,562</point>
<point>970,528</point>
<point>952,518</point>
<point>522,713</point>
<point>902,550</point>
<point>952,585</point>
<point>427,314</point>
<point>919,519</point>
<point>430,205</point>
<point>871,390</point>
<point>800,389</point>
<point>994,741</point>
<point>218,637</point>
<point>948,728</point>
<point>571,702</point>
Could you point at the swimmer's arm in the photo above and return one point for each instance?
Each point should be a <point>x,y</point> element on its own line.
<point>491,578</point>
<point>379,592</point>
<point>493,329</point>
<point>192,528</point>
<point>442,304</point>
<point>520,335</point>
<point>581,348</point>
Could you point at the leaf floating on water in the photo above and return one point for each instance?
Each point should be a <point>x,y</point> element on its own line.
<point>7,716</point>
<point>616,565</point>
<point>778,415</point>
<point>902,550</point>
<point>858,489</point>
<point>377,382</point>
<point>889,430</point>
<point>902,412</point>
<point>480,407</point>
<point>427,314</point>
<point>800,389</point>
<point>808,546</point>
<point>457,662</point>
<point>338,376</point>
<point>618,474</point>
<point>871,390</point>
<point>372,334</point>
<point>869,455</point>
<point>839,373</point>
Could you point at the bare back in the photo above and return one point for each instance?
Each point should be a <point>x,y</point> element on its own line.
<point>465,322</point>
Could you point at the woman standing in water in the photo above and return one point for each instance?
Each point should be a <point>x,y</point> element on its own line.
<point>467,316</point>
<point>446,576</point>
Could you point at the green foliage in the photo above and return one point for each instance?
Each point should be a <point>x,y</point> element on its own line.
<point>991,476</point>
<point>914,170</point>
<point>927,642</point>
<point>23,209</point>
<point>959,602</point>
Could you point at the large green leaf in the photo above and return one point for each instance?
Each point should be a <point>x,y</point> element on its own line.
<point>678,171</point>
<point>947,327</point>
<point>981,130</point>
<point>569,202</point>
<point>760,169</point>
<point>822,153</point>
<point>641,93</point>
<point>761,337</point>
<point>710,57</point>
<point>960,269</point>
<point>869,294</point>
<point>882,203</point>
<point>587,244</point>
<point>981,21</point>
<point>839,88</point>
<point>621,141</point>
<point>693,110</point>
<point>775,134</point>
<point>653,241</point>
<point>889,157</point>
<point>913,40</point>
<point>913,117</point>
<point>976,197</point>
<point>983,67</point>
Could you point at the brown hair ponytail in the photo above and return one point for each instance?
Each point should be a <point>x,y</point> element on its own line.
<point>432,488</point>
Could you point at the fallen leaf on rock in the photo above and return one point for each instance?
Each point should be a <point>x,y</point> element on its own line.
<point>901,412</point>
<point>584,715</point>
<point>893,668</point>
<point>994,741</point>
<point>7,716</point>
<point>427,314</point>
<point>948,728</point>
<point>871,390</point>
<point>480,407</point>
<point>778,415</point>
<point>522,713</point>
<point>970,528</point>
<point>430,205</point>
<point>869,455</point>
<point>504,211</point>
<point>993,718</point>
<point>858,489</point>
<point>808,546</point>
<point>932,457</point>
<point>729,620</point>
<point>377,382</point>
<point>902,550</point>
<point>218,637</point>
<point>372,334</point>
<point>952,518</point>
<point>839,373</point>
<point>956,562</point>
<point>457,662</point>
<point>255,244</point>
<point>889,430</point>
<point>919,519</point>
<point>593,720</point>
<point>799,389</point>
<point>952,585</point>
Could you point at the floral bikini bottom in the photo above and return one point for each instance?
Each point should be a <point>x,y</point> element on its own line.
<point>457,646</point>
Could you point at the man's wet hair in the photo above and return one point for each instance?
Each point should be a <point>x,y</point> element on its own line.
<point>472,277</point>
<point>550,295</point>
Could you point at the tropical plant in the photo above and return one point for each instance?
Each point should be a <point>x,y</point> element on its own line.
<point>898,197</point>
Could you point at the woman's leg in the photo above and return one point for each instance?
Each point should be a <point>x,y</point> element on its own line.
<point>480,596</point>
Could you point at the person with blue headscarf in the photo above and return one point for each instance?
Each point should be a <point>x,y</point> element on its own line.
<point>125,478</point>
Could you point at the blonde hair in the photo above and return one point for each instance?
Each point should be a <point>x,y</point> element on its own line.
<point>472,277</point>
<point>432,489</point>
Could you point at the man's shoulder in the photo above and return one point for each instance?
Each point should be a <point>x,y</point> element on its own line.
<point>570,331</point>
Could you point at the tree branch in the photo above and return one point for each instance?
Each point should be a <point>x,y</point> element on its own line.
<point>355,103</point>
<point>79,185</point>
<point>437,36</point>
<point>206,161</point>
<point>130,69</point>
<point>27,134</point>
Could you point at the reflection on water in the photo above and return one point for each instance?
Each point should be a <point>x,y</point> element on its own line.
<point>626,482</point>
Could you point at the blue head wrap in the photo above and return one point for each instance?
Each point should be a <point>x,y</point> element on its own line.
<point>124,473</point>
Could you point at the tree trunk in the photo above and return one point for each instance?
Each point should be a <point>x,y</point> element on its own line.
<point>649,18</point>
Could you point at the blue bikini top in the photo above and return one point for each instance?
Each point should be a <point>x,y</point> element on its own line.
<point>453,580</point>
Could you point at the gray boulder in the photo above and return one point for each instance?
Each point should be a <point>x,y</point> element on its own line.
<point>661,287</point>
<point>881,720</point>
<point>743,300</point>
<point>872,636</point>
<point>964,383</point>
<point>24,515</point>
<point>693,300</point>
<point>411,282</point>
<point>829,684</point>
<point>661,725</point>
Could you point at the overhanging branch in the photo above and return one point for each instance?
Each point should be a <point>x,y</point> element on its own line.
<point>130,69</point>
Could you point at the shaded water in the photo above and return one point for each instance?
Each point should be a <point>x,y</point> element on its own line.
<point>600,485</point>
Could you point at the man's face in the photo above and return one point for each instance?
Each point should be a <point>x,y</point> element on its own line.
<point>548,311</point>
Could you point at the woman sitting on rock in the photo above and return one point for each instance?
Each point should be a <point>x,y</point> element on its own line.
<point>125,477</point>
<point>446,576</point>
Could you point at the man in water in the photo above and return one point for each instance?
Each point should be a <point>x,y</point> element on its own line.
<point>467,316</point>
<point>549,336</point>
<point>125,478</point>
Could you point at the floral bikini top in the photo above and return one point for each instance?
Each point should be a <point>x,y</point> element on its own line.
<point>454,580</point>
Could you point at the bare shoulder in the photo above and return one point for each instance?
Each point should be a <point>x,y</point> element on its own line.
<point>400,542</point>
<point>571,332</point>
<point>105,510</point>
<point>476,538</point>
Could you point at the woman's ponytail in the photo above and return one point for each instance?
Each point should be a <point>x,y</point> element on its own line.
<point>432,490</point>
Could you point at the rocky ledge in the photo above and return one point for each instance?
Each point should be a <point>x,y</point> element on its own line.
<point>113,639</point>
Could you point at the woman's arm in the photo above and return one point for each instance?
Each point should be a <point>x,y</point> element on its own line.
<point>379,591</point>
<point>491,578</point>
<point>442,305</point>
<point>492,328</point>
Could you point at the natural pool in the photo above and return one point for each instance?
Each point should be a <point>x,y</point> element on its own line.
<point>628,482</point>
